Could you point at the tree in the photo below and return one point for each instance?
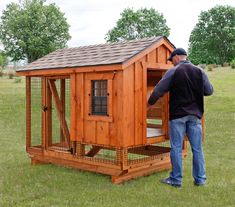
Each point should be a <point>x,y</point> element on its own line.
<point>3,60</point>
<point>135,25</point>
<point>213,38</point>
<point>32,29</point>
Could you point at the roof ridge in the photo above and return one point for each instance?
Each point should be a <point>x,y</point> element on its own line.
<point>112,43</point>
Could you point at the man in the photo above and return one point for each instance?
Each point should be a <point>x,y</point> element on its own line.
<point>187,85</point>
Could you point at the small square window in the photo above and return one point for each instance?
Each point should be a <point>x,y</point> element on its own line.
<point>99,98</point>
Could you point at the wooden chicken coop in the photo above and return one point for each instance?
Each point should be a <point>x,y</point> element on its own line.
<point>86,108</point>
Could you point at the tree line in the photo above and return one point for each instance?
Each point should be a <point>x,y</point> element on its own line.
<point>32,29</point>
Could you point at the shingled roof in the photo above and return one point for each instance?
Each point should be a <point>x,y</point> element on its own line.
<point>102,54</point>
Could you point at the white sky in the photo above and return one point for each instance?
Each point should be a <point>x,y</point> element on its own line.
<point>90,20</point>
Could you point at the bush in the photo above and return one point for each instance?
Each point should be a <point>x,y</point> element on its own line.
<point>203,66</point>
<point>1,73</point>
<point>226,64</point>
<point>232,64</point>
<point>210,67</point>
<point>17,80</point>
<point>11,75</point>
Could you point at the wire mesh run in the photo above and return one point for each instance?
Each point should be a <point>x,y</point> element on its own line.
<point>116,156</point>
<point>100,154</point>
<point>36,101</point>
<point>145,153</point>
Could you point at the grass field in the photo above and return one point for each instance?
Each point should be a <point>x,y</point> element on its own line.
<point>49,185</point>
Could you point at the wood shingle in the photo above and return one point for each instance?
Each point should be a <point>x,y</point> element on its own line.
<point>101,54</point>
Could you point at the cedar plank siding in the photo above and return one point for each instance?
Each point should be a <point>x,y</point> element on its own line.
<point>138,106</point>
<point>97,130</point>
<point>116,135</point>
<point>162,54</point>
<point>127,104</point>
<point>133,96</point>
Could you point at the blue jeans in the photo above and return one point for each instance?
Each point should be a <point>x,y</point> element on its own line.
<point>191,126</point>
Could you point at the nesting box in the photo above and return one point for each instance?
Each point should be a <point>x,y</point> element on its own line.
<point>86,108</point>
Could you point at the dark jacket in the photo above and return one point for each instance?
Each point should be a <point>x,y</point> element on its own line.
<point>187,85</point>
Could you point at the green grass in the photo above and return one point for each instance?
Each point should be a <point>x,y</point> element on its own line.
<point>49,185</point>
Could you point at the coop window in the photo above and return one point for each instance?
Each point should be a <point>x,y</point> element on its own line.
<point>99,99</point>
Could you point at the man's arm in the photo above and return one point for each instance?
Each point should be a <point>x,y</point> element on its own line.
<point>208,88</point>
<point>161,88</point>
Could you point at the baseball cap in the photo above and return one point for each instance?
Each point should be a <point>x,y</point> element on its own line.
<point>177,51</point>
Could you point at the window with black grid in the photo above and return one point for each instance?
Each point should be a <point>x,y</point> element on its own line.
<point>99,99</point>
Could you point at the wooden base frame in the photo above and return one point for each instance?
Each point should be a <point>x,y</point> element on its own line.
<point>120,171</point>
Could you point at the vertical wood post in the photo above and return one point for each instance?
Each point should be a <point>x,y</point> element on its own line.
<point>62,99</point>
<point>48,115</point>
<point>80,149</point>
<point>118,156</point>
<point>124,157</point>
<point>73,107</point>
<point>28,112</point>
<point>144,67</point>
<point>44,114</point>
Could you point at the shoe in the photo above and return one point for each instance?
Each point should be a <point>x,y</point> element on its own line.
<point>199,184</point>
<point>168,181</point>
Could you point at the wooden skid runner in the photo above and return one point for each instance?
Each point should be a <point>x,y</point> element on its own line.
<point>139,172</point>
<point>77,164</point>
<point>117,172</point>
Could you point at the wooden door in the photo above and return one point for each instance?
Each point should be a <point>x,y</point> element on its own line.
<point>56,112</point>
<point>158,115</point>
